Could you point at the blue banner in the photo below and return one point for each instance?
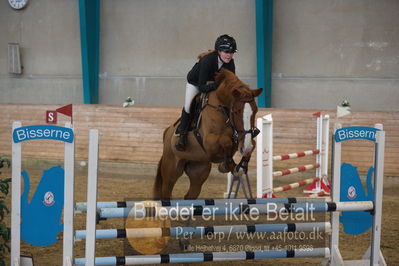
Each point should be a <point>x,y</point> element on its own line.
<point>348,133</point>
<point>352,189</point>
<point>43,132</point>
<point>43,210</point>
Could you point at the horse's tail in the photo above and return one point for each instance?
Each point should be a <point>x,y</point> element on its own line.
<point>157,190</point>
<point>158,182</point>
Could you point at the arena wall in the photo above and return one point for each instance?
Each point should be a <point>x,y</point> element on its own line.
<point>134,134</point>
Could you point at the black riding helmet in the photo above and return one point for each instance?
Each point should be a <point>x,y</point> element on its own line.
<point>226,44</point>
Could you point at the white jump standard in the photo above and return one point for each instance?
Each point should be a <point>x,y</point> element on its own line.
<point>42,132</point>
<point>265,159</point>
<point>373,255</point>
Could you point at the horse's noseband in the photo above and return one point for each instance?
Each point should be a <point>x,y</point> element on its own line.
<point>254,131</point>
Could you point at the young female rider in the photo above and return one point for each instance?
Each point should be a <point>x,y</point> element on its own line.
<point>201,78</point>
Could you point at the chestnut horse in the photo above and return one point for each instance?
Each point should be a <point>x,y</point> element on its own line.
<point>227,125</point>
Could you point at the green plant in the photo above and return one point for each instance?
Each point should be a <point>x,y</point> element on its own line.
<point>5,232</point>
<point>345,103</point>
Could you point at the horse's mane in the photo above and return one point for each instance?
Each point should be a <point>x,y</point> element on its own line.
<point>225,75</point>
<point>227,81</point>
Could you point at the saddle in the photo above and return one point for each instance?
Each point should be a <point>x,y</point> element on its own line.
<point>196,107</point>
<point>198,104</point>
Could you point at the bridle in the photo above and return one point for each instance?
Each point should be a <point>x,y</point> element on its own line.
<point>230,118</point>
<point>254,131</point>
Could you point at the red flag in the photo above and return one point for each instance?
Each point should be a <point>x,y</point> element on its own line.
<point>66,110</point>
<point>317,114</point>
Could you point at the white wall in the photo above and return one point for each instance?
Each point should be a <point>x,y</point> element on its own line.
<point>49,38</point>
<point>323,51</point>
<point>151,45</point>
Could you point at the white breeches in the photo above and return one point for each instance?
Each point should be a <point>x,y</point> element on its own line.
<point>191,91</point>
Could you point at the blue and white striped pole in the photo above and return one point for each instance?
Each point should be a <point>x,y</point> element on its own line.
<point>181,231</point>
<point>140,212</point>
<point>82,206</point>
<point>211,256</point>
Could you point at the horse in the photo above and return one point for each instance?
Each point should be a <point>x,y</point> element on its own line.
<point>227,125</point>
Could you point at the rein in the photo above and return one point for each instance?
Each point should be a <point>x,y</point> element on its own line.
<point>254,131</point>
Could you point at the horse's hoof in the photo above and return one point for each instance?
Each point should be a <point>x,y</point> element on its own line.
<point>223,168</point>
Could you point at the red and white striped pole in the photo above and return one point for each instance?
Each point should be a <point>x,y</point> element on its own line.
<point>295,155</point>
<point>302,168</point>
<point>296,184</point>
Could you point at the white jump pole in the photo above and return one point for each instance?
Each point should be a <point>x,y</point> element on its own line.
<point>325,145</point>
<point>336,257</point>
<point>69,201</point>
<point>264,156</point>
<point>90,250</point>
<point>319,141</point>
<point>16,200</point>
<point>376,257</point>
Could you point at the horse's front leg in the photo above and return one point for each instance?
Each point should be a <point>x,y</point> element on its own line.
<point>242,165</point>
<point>228,163</point>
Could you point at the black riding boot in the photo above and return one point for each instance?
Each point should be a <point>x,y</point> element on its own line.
<point>182,130</point>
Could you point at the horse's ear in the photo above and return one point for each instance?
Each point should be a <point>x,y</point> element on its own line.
<point>257,92</point>
<point>236,93</point>
<point>220,76</point>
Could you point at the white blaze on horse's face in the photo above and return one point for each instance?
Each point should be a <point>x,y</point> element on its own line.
<point>246,116</point>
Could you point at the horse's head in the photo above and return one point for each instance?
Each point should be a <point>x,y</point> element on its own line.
<point>237,95</point>
<point>240,99</point>
<point>243,112</point>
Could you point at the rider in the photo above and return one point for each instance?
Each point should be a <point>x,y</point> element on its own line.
<point>201,78</point>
